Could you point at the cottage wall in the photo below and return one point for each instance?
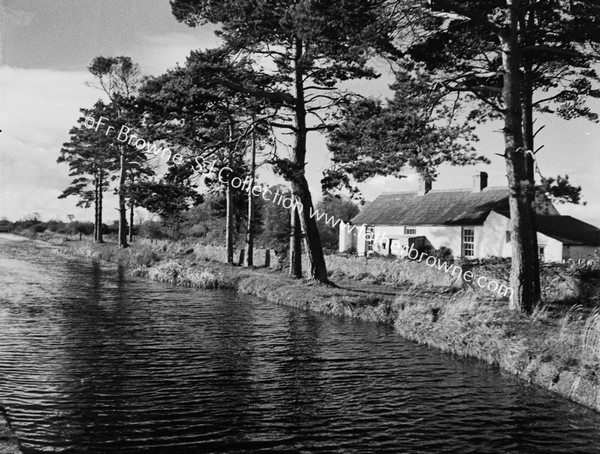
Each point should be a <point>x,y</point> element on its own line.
<point>361,245</point>
<point>494,238</point>
<point>553,249</point>
<point>391,238</point>
<point>495,244</point>
<point>347,242</point>
<point>490,240</point>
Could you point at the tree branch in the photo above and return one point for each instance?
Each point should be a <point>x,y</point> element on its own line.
<point>285,98</point>
<point>283,125</point>
<point>322,127</point>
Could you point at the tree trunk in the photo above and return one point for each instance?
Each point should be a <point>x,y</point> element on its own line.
<point>99,237</point>
<point>122,205</point>
<point>528,27</point>
<point>96,197</point>
<point>131,207</point>
<point>295,245</point>
<point>229,202</point>
<point>229,223</point>
<point>523,273</point>
<point>301,192</point>
<point>249,255</point>
<point>529,144</point>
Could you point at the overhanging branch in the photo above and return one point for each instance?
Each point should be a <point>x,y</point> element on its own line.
<point>285,98</point>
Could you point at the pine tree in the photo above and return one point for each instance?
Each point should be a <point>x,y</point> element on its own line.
<point>92,158</point>
<point>502,52</point>
<point>413,129</point>
<point>204,121</point>
<point>119,78</point>
<point>313,46</point>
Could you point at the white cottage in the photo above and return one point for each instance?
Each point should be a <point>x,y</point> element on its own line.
<point>473,223</point>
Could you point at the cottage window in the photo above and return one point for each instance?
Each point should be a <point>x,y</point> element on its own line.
<point>410,231</point>
<point>541,253</point>
<point>508,236</point>
<point>468,242</point>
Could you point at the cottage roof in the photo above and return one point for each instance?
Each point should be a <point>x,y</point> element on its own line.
<point>437,207</point>
<point>568,230</point>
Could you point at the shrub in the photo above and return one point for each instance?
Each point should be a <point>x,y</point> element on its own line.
<point>153,230</point>
<point>85,228</point>
<point>444,254</point>
<point>56,226</point>
<point>37,228</point>
<point>197,231</point>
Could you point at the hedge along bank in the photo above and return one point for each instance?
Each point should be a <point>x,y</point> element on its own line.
<point>224,176</point>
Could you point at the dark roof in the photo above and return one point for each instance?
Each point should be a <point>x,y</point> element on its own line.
<point>437,207</point>
<point>568,230</point>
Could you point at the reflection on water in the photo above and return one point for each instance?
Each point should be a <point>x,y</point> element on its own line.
<point>94,361</point>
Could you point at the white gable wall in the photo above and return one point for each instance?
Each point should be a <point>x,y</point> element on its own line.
<point>494,232</point>
<point>347,241</point>
<point>553,249</point>
<point>495,244</point>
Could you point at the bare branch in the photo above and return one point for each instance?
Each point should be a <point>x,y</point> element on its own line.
<point>283,126</point>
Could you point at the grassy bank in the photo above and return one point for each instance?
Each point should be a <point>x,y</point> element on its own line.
<point>558,351</point>
<point>558,347</point>
<point>178,264</point>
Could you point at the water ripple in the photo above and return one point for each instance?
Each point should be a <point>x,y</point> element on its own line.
<point>94,362</point>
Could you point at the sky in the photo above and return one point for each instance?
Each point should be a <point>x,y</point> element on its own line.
<point>46,46</point>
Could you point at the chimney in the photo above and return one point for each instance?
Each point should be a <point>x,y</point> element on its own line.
<point>480,181</point>
<point>424,186</point>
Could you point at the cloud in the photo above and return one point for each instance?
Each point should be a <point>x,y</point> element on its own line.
<point>39,108</point>
<point>18,18</point>
<point>157,53</point>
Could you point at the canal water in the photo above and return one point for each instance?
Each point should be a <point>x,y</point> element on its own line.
<point>93,361</point>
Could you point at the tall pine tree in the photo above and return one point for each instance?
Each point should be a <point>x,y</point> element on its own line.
<point>92,157</point>
<point>310,47</point>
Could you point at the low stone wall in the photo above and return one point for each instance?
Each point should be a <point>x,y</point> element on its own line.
<point>8,441</point>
